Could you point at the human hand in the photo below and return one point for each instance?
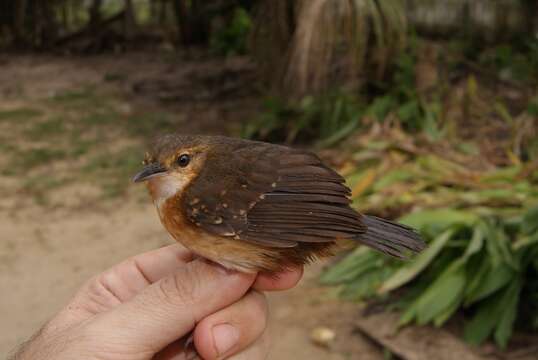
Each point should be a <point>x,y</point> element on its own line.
<point>141,308</point>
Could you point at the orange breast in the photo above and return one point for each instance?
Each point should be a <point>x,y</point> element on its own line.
<point>226,251</point>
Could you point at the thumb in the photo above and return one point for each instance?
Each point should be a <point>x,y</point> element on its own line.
<point>171,307</point>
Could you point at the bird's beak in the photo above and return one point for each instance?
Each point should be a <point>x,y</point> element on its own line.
<point>149,171</point>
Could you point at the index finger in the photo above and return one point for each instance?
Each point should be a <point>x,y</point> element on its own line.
<point>126,279</point>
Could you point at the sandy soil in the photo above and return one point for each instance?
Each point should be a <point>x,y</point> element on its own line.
<point>46,253</point>
<point>45,257</point>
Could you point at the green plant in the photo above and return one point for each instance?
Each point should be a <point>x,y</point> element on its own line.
<point>19,114</point>
<point>480,222</point>
<point>517,61</point>
<point>402,98</point>
<point>328,119</point>
<point>479,264</point>
<point>331,117</point>
<point>232,38</point>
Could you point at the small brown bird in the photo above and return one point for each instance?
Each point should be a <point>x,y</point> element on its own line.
<point>253,206</point>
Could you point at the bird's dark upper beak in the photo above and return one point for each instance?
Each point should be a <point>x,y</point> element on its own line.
<point>149,171</point>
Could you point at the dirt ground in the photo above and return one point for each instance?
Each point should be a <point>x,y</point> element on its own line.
<point>55,237</point>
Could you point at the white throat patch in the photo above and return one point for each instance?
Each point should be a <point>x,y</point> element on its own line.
<point>165,187</point>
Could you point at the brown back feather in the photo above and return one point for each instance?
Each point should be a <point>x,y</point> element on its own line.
<point>282,198</point>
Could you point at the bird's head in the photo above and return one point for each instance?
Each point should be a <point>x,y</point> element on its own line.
<point>173,162</point>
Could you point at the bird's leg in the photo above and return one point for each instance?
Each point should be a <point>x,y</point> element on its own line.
<point>189,351</point>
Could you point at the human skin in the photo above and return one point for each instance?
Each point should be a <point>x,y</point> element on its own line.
<point>141,309</point>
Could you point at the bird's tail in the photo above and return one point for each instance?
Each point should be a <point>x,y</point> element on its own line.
<point>391,238</point>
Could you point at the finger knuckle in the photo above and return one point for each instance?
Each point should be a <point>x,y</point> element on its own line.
<point>182,288</point>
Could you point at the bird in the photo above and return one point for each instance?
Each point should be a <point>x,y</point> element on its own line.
<point>253,206</point>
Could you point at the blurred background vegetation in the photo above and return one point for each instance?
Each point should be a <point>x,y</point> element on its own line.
<point>428,107</point>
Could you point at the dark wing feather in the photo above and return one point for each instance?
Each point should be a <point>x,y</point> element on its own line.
<point>220,204</point>
<point>273,196</point>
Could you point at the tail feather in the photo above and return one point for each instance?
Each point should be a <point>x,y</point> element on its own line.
<point>391,238</point>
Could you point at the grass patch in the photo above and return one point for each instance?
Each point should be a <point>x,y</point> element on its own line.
<point>113,171</point>
<point>49,128</point>
<point>27,159</point>
<point>99,118</point>
<point>19,114</point>
<point>123,161</point>
<point>83,98</point>
<point>74,126</point>
<point>39,186</point>
<point>74,95</point>
<point>79,147</point>
<point>149,123</point>
<point>6,147</point>
<point>112,77</point>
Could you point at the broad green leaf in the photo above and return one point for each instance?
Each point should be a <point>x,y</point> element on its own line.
<point>378,145</point>
<point>513,223</point>
<point>505,174</point>
<point>366,284</point>
<point>530,221</point>
<point>420,285</point>
<point>479,268</point>
<point>483,323</point>
<point>395,176</point>
<point>360,260</point>
<point>468,148</point>
<point>525,241</point>
<point>409,110</point>
<point>492,280</point>
<point>475,245</point>
<point>409,315</point>
<point>498,244</point>
<point>523,187</point>
<point>495,313</point>
<point>381,106</point>
<point>440,218</point>
<point>443,316</point>
<point>494,194</point>
<point>333,137</point>
<point>505,326</point>
<point>409,271</point>
<point>442,294</point>
<point>505,246</point>
<point>438,167</point>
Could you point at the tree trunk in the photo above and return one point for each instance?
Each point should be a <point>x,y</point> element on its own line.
<point>18,22</point>
<point>95,14</point>
<point>192,22</point>
<point>130,20</point>
<point>530,7</point>
<point>154,11</point>
<point>182,20</point>
<point>49,29</point>
<point>199,23</point>
<point>163,12</point>
<point>65,16</point>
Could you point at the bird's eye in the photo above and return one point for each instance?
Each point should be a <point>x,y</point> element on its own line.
<point>183,160</point>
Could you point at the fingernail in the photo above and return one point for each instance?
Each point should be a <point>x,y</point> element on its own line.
<point>225,337</point>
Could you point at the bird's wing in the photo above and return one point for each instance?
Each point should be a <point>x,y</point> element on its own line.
<point>273,196</point>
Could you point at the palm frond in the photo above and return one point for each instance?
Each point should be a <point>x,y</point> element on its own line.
<point>330,41</point>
